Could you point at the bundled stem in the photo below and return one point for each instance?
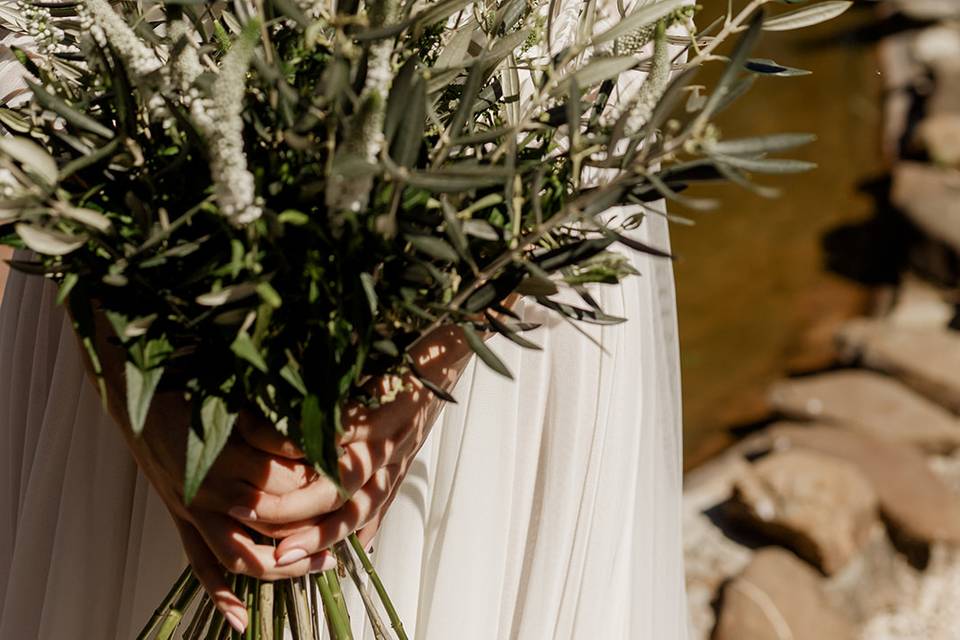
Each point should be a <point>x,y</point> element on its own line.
<point>337,620</point>
<point>167,605</point>
<point>378,585</point>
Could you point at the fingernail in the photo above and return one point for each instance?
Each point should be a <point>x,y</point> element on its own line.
<point>325,562</point>
<point>294,555</point>
<point>242,513</point>
<point>239,625</point>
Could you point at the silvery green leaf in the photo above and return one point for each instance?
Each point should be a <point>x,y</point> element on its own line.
<point>807,16</point>
<point>484,352</point>
<point>537,286</point>
<point>370,290</point>
<point>138,326</point>
<point>511,334</point>
<point>737,178</point>
<point>217,423</point>
<point>773,68</point>
<point>762,144</point>
<point>11,120</point>
<point>87,217</point>
<point>452,181</point>
<point>455,50</point>
<point>766,165</point>
<point>72,116</point>
<point>32,156</point>
<point>480,229</point>
<point>48,241</point>
<point>434,247</point>
<point>227,294</point>
<point>590,316</point>
<point>596,71</point>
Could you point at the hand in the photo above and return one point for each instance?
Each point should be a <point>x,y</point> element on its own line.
<point>256,462</point>
<point>379,444</point>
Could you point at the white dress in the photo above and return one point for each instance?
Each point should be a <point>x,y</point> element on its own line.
<point>545,508</point>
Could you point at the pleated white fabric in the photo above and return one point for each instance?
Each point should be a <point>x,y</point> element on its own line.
<point>542,508</point>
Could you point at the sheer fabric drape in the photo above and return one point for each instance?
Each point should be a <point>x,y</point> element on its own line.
<point>541,508</point>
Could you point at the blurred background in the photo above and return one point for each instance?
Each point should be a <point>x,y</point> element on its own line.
<point>819,345</point>
<point>756,297</point>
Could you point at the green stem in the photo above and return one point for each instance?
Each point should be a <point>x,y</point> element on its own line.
<point>266,622</point>
<point>253,610</point>
<point>333,579</point>
<point>166,604</point>
<point>175,615</point>
<point>280,612</point>
<point>216,626</point>
<point>339,625</point>
<point>378,586</point>
<point>201,619</point>
<point>301,610</point>
<point>346,559</point>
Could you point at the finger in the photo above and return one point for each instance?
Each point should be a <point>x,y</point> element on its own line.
<point>357,466</point>
<point>239,553</point>
<point>266,472</point>
<point>259,434</point>
<point>369,531</point>
<point>211,576</point>
<point>336,526</point>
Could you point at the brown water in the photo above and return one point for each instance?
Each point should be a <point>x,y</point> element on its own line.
<point>751,276</point>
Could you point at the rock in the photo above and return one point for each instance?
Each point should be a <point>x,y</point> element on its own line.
<point>901,75</point>
<point>873,581</point>
<point>916,304</point>
<point>930,197</point>
<point>928,606</point>
<point>918,508</point>
<point>945,95</point>
<point>927,360</point>
<point>937,45</point>
<point>940,136</point>
<point>947,468</point>
<point>872,403</point>
<point>821,507</point>
<point>710,559</point>
<point>928,9</point>
<point>777,597</point>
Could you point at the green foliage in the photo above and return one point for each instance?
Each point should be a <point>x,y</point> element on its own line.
<point>273,201</point>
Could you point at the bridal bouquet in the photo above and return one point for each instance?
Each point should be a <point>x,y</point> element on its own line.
<point>272,200</point>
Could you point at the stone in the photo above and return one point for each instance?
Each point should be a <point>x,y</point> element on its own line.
<point>710,559</point>
<point>939,135</point>
<point>777,596</point>
<point>927,607</point>
<point>901,75</point>
<point>937,45</point>
<point>873,581</point>
<point>929,9</point>
<point>870,402</point>
<point>945,91</point>
<point>918,508</point>
<point>930,197</point>
<point>917,304</point>
<point>821,507</point>
<point>924,359</point>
